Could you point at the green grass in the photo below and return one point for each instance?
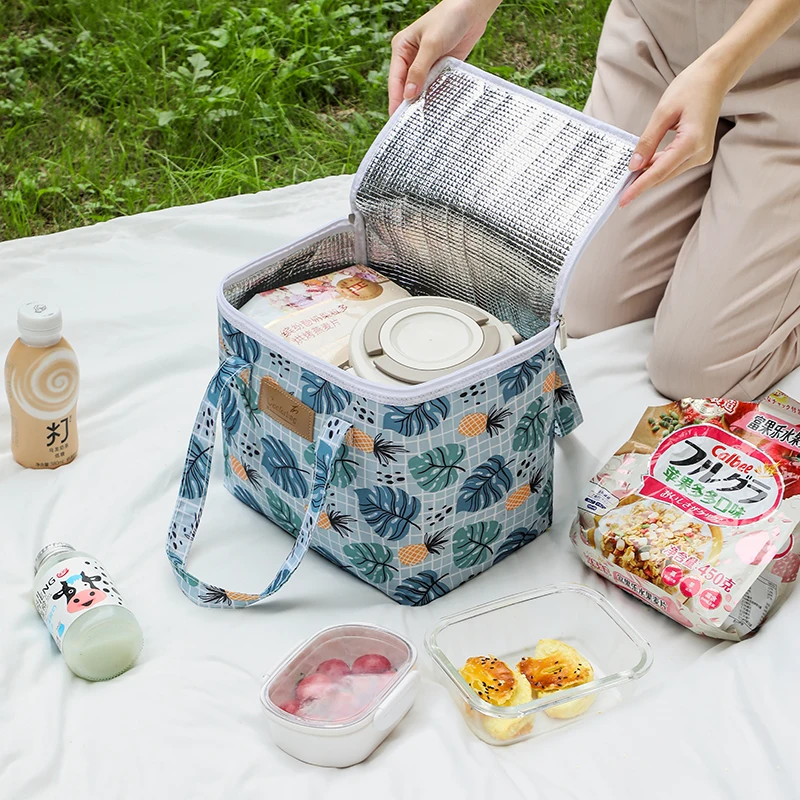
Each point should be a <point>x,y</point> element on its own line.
<point>112,107</point>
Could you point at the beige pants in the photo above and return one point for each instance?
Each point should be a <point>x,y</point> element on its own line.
<point>715,253</point>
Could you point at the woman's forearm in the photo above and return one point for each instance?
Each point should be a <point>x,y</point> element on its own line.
<point>485,7</point>
<point>692,103</point>
<point>762,23</point>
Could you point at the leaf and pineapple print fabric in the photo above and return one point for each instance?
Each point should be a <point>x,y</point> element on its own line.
<point>414,499</point>
<point>194,488</point>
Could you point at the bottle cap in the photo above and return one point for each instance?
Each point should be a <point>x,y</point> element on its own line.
<point>39,323</point>
<point>49,550</point>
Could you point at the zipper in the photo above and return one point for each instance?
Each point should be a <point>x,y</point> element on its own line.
<point>379,392</point>
<point>562,332</point>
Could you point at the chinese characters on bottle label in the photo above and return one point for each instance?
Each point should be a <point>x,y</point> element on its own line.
<point>57,435</point>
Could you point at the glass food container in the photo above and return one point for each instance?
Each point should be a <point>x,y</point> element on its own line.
<point>340,694</point>
<point>510,628</point>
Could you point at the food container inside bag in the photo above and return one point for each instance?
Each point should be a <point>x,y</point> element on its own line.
<point>419,339</point>
<point>340,721</point>
<point>508,629</point>
<point>319,314</point>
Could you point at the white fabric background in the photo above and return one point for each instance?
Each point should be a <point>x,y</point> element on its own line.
<point>710,720</point>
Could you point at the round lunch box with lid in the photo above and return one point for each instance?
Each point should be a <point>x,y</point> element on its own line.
<point>340,694</point>
<point>418,339</point>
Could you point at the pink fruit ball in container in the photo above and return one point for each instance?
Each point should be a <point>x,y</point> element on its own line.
<point>340,694</point>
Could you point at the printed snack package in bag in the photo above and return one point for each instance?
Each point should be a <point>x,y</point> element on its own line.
<point>319,314</point>
<point>695,515</point>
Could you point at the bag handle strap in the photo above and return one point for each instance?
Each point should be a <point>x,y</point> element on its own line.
<point>194,489</point>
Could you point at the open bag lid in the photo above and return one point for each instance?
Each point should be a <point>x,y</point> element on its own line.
<point>494,186</point>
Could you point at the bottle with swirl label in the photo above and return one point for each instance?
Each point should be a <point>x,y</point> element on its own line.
<point>42,386</point>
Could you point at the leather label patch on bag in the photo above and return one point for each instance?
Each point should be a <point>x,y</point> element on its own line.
<point>286,409</point>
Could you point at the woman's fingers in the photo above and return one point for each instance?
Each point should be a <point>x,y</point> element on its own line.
<point>404,49</point>
<point>411,62</point>
<point>663,166</point>
<point>430,51</point>
<point>398,71</point>
<point>691,107</point>
<point>450,28</point>
<point>660,122</point>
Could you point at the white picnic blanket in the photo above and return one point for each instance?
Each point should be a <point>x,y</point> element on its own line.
<point>710,720</point>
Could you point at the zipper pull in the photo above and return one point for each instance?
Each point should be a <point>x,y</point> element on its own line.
<point>562,332</point>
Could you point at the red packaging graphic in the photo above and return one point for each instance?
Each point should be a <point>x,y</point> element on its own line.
<point>695,514</point>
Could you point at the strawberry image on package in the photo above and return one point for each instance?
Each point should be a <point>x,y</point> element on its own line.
<point>695,514</point>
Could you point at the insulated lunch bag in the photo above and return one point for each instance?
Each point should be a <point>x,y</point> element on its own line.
<point>479,191</point>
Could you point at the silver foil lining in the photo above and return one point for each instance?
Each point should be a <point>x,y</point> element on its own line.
<point>308,261</point>
<point>477,192</point>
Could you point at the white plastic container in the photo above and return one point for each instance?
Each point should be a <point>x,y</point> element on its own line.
<point>418,339</point>
<point>310,733</point>
<point>85,614</point>
<point>509,629</point>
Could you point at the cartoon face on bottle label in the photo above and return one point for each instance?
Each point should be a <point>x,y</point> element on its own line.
<point>68,590</point>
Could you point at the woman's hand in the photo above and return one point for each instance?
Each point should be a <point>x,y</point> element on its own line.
<point>690,106</point>
<point>448,29</point>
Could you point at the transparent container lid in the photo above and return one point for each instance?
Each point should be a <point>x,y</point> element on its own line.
<point>510,628</point>
<point>377,660</point>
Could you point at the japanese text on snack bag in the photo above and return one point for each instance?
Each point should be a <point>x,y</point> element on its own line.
<point>718,477</point>
<point>680,557</point>
<point>639,591</point>
<point>772,428</point>
<point>717,577</point>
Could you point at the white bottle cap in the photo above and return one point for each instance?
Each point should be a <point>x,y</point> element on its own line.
<point>39,324</point>
<point>50,550</point>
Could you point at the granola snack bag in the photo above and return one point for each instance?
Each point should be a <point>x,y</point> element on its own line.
<point>695,515</point>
